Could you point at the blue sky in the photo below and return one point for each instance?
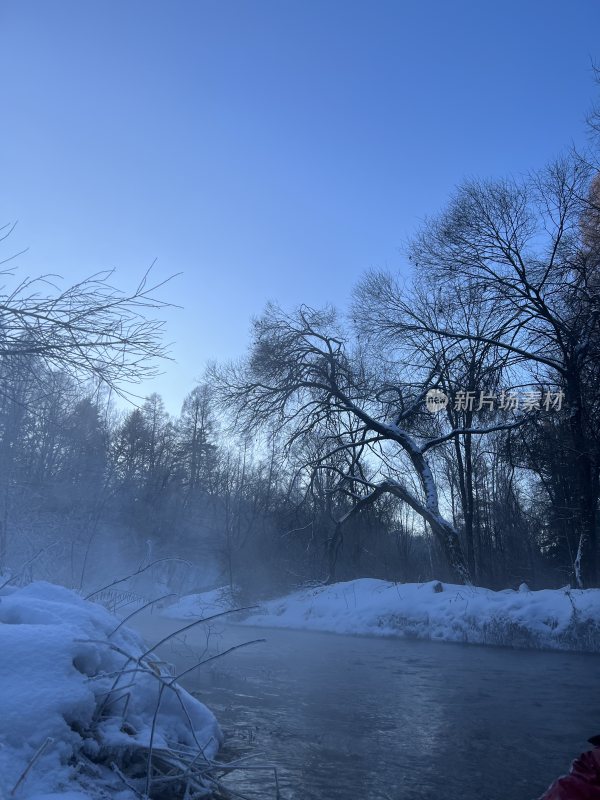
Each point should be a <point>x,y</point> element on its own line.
<point>269,150</point>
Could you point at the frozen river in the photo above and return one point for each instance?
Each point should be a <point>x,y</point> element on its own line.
<point>347,718</point>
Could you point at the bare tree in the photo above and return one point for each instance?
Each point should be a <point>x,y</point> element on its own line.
<point>531,249</point>
<point>53,340</point>
<point>89,330</point>
<point>379,315</point>
<point>304,375</point>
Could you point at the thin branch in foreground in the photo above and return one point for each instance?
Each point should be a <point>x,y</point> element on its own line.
<point>38,754</point>
<point>192,624</point>
<point>134,574</point>
<point>26,564</point>
<point>138,610</point>
<point>170,683</point>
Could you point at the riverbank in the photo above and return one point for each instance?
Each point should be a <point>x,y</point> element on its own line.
<point>79,705</point>
<point>557,619</point>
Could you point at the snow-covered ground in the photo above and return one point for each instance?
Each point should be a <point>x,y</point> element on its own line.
<point>78,702</point>
<point>550,618</point>
<point>83,700</point>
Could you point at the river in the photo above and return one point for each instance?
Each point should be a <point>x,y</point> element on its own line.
<point>347,718</point>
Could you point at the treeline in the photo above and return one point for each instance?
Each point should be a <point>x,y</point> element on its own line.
<point>89,493</point>
<point>499,318</point>
<point>447,425</point>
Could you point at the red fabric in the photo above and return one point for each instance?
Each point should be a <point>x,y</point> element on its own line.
<point>582,782</point>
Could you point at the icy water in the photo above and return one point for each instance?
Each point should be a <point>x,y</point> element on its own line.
<point>347,718</point>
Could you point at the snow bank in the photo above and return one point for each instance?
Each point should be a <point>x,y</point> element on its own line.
<point>63,689</point>
<point>551,618</point>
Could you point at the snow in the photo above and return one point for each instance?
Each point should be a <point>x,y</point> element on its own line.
<point>562,619</point>
<point>59,656</point>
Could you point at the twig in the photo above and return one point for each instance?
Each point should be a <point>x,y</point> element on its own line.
<point>137,611</point>
<point>26,564</point>
<point>134,574</point>
<point>192,624</point>
<point>38,753</point>
<point>118,772</point>
<point>177,678</point>
<point>170,684</point>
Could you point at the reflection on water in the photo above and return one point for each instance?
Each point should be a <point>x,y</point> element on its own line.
<point>346,718</point>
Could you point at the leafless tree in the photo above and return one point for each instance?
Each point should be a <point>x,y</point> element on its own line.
<point>304,374</point>
<point>384,313</point>
<point>89,330</point>
<point>530,248</point>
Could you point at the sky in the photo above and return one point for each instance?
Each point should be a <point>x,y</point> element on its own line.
<point>268,150</point>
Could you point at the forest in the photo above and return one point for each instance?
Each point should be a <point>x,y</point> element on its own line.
<point>318,456</point>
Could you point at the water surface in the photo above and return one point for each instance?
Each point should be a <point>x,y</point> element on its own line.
<point>347,718</point>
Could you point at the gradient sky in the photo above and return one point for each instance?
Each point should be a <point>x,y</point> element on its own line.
<point>269,150</point>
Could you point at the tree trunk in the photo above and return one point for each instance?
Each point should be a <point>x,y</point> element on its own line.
<point>585,490</point>
<point>333,546</point>
<point>465,482</point>
<point>450,542</point>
